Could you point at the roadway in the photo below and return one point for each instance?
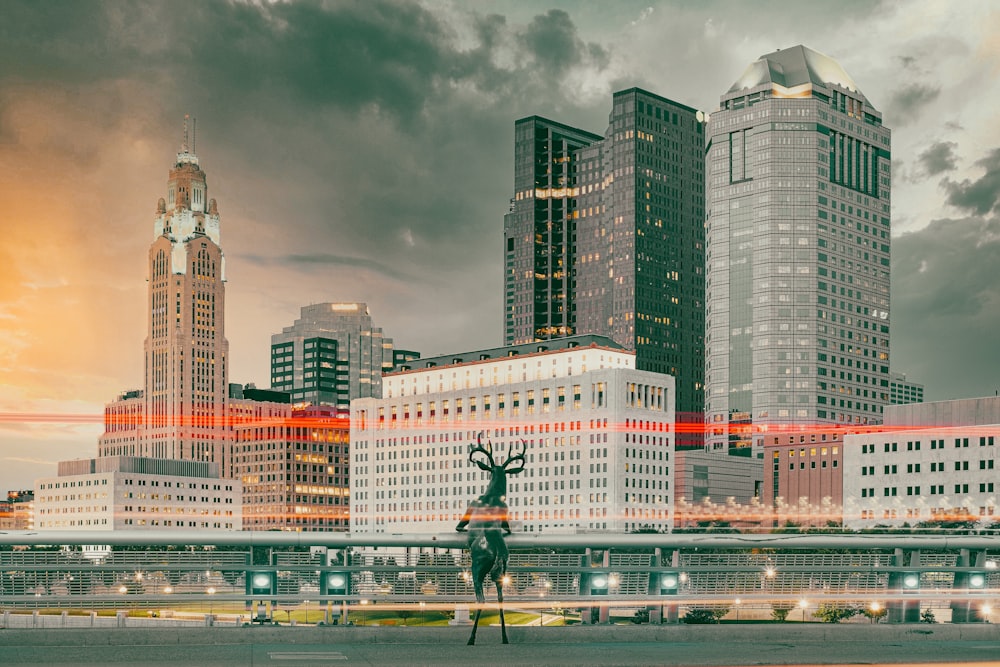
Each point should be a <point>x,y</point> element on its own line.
<point>748,644</point>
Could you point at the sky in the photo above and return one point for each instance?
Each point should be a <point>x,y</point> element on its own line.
<point>363,151</point>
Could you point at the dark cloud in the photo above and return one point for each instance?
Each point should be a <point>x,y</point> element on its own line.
<point>946,303</point>
<point>980,196</point>
<point>938,158</point>
<point>555,45</point>
<point>907,103</point>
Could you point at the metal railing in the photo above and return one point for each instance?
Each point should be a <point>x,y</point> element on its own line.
<point>201,572</point>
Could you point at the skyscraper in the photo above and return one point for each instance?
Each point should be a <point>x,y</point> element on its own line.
<point>332,354</point>
<point>539,231</point>
<point>606,237</point>
<point>797,326</point>
<point>181,412</point>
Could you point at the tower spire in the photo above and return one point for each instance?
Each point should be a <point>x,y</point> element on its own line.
<point>187,153</point>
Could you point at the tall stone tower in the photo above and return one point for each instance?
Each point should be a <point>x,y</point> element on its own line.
<point>180,413</point>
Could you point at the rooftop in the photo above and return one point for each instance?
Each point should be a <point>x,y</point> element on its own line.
<point>797,66</point>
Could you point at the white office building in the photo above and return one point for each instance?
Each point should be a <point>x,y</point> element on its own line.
<point>929,462</point>
<point>138,493</point>
<point>598,435</point>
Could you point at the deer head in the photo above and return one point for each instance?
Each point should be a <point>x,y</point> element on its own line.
<point>498,473</point>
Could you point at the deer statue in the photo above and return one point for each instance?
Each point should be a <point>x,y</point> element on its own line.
<point>486,522</point>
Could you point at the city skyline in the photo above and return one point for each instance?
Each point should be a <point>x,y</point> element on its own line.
<point>363,153</point>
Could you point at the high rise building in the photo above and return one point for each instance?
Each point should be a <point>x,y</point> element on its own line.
<point>332,354</point>
<point>285,465</point>
<point>606,236</point>
<point>797,324</point>
<point>180,413</point>
<point>540,231</point>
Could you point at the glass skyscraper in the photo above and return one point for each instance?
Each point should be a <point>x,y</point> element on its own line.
<point>797,323</point>
<point>606,236</point>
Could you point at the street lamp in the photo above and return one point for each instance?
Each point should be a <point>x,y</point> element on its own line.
<point>737,603</point>
<point>211,592</point>
<point>986,609</point>
<point>802,605</point>
<point>364,616</point>
<point>876,608</point>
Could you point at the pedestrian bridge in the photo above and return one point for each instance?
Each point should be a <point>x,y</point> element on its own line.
<point>598,577</point>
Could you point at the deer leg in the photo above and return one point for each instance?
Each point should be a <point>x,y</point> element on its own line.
<point>477,582</point>
<point>503,625</point>
<point>475,626</point>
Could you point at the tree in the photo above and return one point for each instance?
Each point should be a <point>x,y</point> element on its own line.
<point>701,616</point>
<point>874,612</point>
<point>829,613</point>
<point>780,612</point>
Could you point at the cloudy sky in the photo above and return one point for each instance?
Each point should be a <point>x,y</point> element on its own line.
<point>362,151</point>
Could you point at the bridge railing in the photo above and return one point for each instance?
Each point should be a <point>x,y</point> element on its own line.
<point>663,577</point>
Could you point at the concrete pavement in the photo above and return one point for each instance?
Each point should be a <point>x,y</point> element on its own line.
<point>745,644</point>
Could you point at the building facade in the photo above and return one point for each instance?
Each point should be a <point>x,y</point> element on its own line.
<point>293,465</point>
<point>137,493</point>
<point>804,477</point>
<point>606,236</point>
<point>702,477</point>
<point>903,391</point>
<point>332,354</point>
<point>798,244</point>
<point>598,436</point>
<point>17,512</point>
<point>180,412</point>
<point>929,462</point>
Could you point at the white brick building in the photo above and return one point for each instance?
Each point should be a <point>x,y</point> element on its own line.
<point>599,438</point>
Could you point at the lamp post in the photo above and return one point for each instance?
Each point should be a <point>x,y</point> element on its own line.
<point>986,609</point>
<point>736,603</point>
<point>875,608</point>
<point>364,615</point>
<point>211,592</point>
<point>802,605</point>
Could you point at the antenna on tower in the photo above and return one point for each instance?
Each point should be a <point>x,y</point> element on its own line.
<point>184,146</point>
<point>194,135</point>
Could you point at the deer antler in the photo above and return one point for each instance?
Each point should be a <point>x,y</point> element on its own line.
<point>517,457</point>
<point>480,448</point>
